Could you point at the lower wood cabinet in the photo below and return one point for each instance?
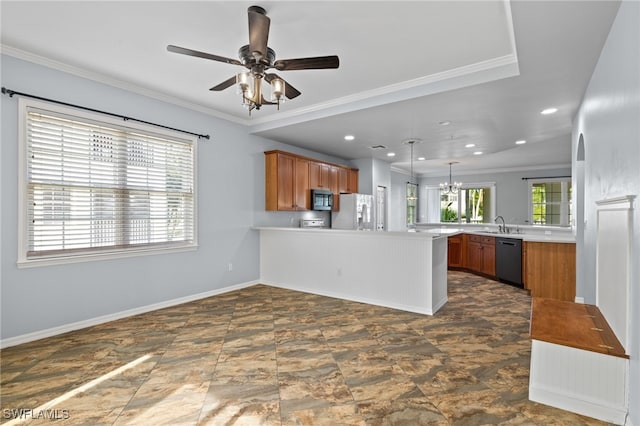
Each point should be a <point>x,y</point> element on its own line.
<point>550,270</point>
<point>473,253</point>
<point>454,251</point>
<point>481,254</point>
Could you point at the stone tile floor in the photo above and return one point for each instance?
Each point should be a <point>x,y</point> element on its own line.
<point>269,356</point>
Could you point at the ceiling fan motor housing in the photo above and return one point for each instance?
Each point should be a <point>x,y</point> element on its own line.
<point>248,60</point>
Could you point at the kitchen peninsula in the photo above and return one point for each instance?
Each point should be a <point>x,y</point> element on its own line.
<point>401,270</point>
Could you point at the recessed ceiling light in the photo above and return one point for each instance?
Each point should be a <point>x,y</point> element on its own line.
<point>521,142</point>
<point>444,123</point>
<point>349,138</point>
<point>421,158</point>
<point>477,153</point>
<point>548,111</point>
<point>391,154</point>
<point>470,145</point>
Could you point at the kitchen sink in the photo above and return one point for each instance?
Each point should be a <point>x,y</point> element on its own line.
<point>489,232</point>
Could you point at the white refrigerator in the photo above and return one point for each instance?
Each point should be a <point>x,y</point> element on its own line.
<point>357,212</point>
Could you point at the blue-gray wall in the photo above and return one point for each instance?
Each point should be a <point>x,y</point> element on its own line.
<point>512,193</point>
<point>231,200</point>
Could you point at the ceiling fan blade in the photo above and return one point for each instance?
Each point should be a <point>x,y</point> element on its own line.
<point>227,83</point>
<point>320,62</point>
<point>258,31</point>
<point>289,91</point>
<point>190,52</point>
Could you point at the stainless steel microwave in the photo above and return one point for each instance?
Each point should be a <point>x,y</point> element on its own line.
<point>321,199</point>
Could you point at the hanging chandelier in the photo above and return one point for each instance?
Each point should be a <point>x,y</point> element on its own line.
<point>450,187</point>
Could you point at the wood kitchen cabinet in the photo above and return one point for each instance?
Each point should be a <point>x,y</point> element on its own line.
<point>289,179</point>
<point>352,185</point>
<point>454,251</point>
<point>286,182</point>
<point>323,176</point>
<point>550,270</point>
<point>347,183</point>
<point>481,254</point>
<point>347,180</point>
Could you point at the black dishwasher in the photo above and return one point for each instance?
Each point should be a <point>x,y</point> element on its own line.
<point>509,260</point>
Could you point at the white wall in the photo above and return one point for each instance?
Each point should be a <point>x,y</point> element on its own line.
<point>609,120</point>
<point>231,200</point>
<point>398,201</point>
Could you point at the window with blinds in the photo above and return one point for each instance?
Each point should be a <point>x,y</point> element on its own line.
<point>94,187</point>
<point>550,201</point>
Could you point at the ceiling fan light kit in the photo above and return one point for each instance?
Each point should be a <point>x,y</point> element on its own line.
<point>257,57</point>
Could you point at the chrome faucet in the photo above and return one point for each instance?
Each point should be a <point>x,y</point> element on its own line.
<point>501,228</point>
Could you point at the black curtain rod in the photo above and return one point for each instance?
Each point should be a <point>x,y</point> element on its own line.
<point>124,117</point>
<point>545,177</point>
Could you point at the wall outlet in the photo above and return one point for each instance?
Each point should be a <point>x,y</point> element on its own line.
<point>230,267</point>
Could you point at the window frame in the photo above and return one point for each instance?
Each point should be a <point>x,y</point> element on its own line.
<point>565,200</point>
<point>465,186</point>
<point>73,256</point>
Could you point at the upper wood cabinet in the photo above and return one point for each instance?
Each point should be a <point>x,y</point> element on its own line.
<point>550,270</point>
<point>290,177</point>
<point>286,182</point>
<point>352,185</point>
<point>323,176</point>
<point>343,180</point>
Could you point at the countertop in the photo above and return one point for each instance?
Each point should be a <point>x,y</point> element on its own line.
<point>548,234</point>
<point>408,234</point>
<point>436,233</point>
<point>545,238</point>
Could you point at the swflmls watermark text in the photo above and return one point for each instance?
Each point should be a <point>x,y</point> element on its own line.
<point>31,414</point>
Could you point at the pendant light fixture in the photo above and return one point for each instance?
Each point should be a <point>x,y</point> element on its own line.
<point>450,187</point>
<point>412,196</point>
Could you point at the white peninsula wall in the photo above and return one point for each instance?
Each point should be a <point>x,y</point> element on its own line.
<point>401,270</point>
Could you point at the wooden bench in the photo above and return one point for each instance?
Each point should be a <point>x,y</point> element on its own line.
<point>577,363</point>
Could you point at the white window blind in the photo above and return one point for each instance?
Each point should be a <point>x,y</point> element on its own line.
<point>95,187</point>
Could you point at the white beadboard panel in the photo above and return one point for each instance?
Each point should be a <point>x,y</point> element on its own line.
<point>439,272</point>
<point>613,255</point>
<point>584,382</point>
<point>398,270</point>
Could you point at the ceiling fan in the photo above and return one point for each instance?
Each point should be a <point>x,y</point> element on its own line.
<point>257,57</point>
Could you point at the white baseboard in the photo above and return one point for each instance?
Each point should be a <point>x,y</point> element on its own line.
<point>417,310</point>
<point>54,331</point>
<point>615,415</point>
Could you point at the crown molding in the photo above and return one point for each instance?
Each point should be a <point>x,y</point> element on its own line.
<point>110,81</point>
<point>624,202</point>
<point>456,78</point>
<point>498,170</point>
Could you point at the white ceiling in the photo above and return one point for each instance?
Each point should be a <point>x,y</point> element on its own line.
<point>488,67</point>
